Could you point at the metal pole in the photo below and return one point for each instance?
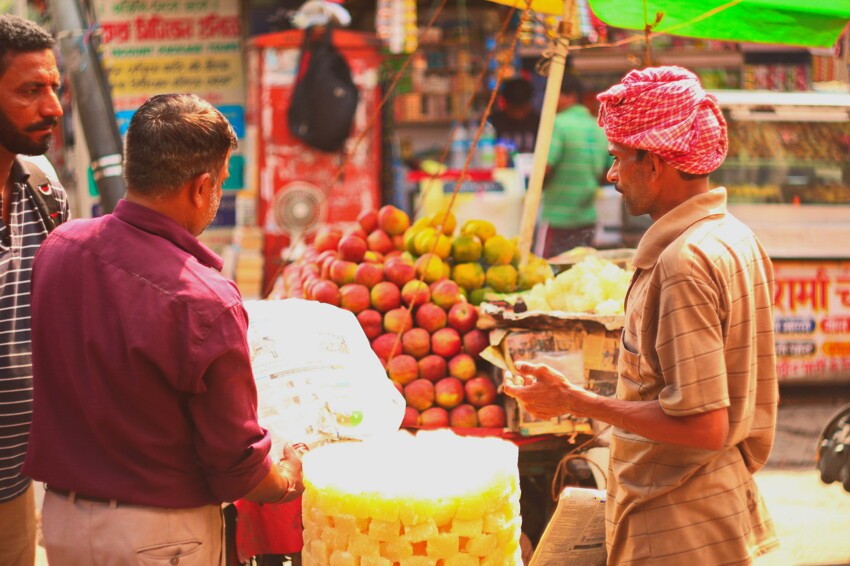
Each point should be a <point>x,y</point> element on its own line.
<point>93,100</point>
<point>544,133</point>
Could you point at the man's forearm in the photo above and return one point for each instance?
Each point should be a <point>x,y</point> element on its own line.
<point>646,418</point>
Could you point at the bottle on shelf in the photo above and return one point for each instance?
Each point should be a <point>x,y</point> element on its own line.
<point>486,153</point>
<point>459,146</point>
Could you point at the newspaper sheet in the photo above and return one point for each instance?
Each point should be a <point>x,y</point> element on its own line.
<point>575,535</point>
<point>317,378</point>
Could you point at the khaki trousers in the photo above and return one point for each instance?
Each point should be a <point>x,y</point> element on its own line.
<point>86,533</point>
<point>17,530</point>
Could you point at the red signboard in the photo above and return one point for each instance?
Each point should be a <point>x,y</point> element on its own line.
<point>812,320</point>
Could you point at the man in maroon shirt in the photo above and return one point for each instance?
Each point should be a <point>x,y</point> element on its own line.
<point>145,409</point>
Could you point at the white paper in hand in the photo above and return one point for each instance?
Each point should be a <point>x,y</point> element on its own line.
<point>317,378</point>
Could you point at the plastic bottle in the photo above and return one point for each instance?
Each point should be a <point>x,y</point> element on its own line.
<point>459,147</point>
<point>487,147</point>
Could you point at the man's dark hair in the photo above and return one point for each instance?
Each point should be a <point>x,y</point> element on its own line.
<point>18,35</point>
<point>572,85</point>
<point>641,153</point>
<point>173,138</point>
<point>517,91</point>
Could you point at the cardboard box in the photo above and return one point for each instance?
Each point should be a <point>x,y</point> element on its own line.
<point>584,350</point>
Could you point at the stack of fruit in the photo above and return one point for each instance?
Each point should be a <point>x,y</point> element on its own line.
<point>593,285</point>
<point>409,288</point>
<point>397,502</point>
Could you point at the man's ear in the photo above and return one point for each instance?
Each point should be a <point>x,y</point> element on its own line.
<point>197,187</point>
<point>658,166</point>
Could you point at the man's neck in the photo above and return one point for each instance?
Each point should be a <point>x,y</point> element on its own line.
<point>7,159</point>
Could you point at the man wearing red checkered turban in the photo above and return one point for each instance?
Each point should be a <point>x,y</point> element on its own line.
<point>694,413</point>
<point>664,110</point>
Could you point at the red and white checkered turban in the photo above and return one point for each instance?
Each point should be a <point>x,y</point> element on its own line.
<point>664,110</point>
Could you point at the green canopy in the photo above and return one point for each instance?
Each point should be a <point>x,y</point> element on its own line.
<point>807,23</point>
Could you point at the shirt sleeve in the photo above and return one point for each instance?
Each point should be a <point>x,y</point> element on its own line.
<point>690,347</point>
<point>232,447</point>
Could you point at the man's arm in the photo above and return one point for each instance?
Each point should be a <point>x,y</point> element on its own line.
<point>545,393</point>
<point>282,483</point>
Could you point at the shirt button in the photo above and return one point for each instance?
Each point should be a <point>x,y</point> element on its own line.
<point>175,560</point>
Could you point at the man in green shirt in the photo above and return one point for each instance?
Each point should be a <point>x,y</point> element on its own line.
<point>578,157</point>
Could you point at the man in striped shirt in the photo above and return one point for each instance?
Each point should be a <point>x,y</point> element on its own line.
<point>695,411</point>
<point>29,111</point>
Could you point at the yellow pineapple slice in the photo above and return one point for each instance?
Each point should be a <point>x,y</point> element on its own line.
<point>470,528</point>
<point>443,545</point>
<point>375,561</point>
<point>421,532</point>
<point>363,545</point>
<point>397,549</point>
<point>343,558</point>
<point>483,545</point>
<point>384,530</point>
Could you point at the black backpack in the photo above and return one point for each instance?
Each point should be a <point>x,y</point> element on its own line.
<point>43,195</point>
<point>325,97</point>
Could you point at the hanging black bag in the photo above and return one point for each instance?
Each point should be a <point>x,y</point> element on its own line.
<point>325,97</point>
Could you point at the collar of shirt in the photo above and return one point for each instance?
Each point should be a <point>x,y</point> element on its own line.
<point>667,228</point>
<point>157,223</point>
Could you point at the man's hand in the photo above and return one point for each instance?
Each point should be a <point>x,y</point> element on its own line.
<point>290,469</point>
<point>544,392</point>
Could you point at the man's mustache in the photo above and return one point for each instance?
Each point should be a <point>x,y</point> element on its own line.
<point>43,125</point>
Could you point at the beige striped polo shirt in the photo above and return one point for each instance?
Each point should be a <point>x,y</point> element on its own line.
<point>698,336</point>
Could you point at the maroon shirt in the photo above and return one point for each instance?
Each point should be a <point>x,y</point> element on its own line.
<point>143,390</point>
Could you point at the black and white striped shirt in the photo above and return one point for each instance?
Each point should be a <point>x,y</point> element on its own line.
<point>18,244</point>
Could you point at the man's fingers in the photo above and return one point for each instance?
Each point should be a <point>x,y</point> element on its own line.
<point>289,453</point>
<point>541,372</point>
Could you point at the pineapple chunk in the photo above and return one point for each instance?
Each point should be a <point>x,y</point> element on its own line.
<point>319,551</point>
<point>318,517</point>
<point>494,522</point>
<point>375,561</point>
<point>397,549</point>
<point>471,508</point>
<point>471,528</point>
<point>510,532</point>
<point>409,513</point>
<point>463,560</point>
<point>335,538</point>
<point>483,545</point>
<point>384,530</point>
<point>363,545</point>
<point>422,531</point>
<point>343,558</point>
<point>383,509</point>
<point>418,561</point>
<point>347,524</point>
<point>443,510</point>
<point>443,545</point>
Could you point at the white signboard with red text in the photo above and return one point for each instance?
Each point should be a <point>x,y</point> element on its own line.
<point>812,320</point>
